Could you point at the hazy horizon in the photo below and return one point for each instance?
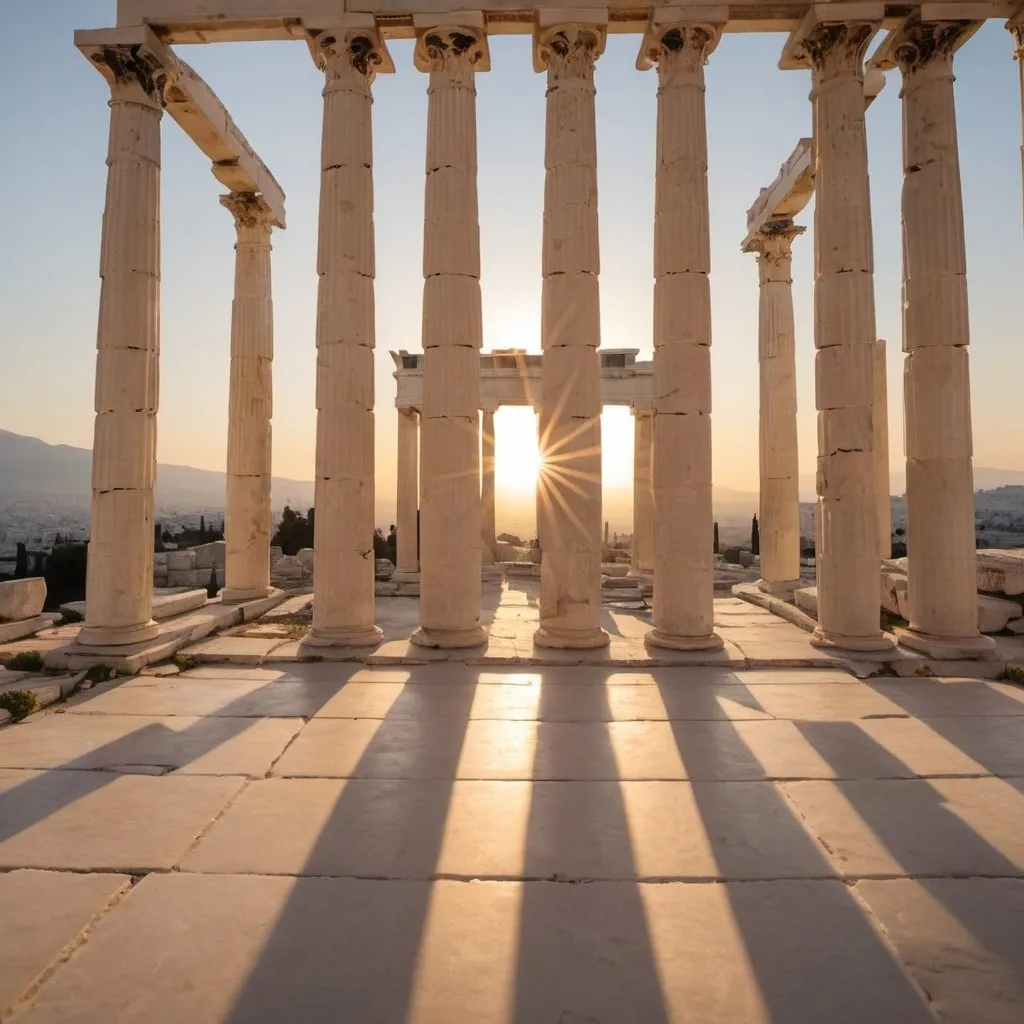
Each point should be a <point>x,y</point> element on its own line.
<point>756,114</point>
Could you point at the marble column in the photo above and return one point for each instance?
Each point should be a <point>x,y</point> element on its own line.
<point>452,336</point>
<point>119,584</point>
<point>408,566</point>
<point>488,538</point>
<point>1016,28</point>
<point>250,401</point>
<point>684,521</point>
<point>343,577</point>
<point>942,585</point>
<point>570,408</point>
<point>643,491</point>
<point>779,506</point>
<point>844,338</point>
<point>880,424</point>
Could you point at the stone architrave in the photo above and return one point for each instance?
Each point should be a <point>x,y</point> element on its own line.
<point>942,567</point>
<point>343,580</point>
<point>452,53</point>
<point>684,521</point>
<point>408,555</point>
<point>844,328</point>
<point>488,537</point>
<point>250,404</point>
<point>643,491</point>
<point>779,505</point>
<point>119,586</point>
<point>570,407</point>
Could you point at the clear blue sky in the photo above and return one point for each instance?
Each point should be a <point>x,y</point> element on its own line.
<point>53,127</point>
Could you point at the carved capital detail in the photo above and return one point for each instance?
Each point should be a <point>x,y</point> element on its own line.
<point>922,43</point>
<point>569,51</point>
<point>361,50</point>
<point>250,211</point>
<point>684,46</point>
<point>453,48</point>
<point>133,73</point>
<point>837,47</point>
<point>774,243</point>
<point>1016,29</point>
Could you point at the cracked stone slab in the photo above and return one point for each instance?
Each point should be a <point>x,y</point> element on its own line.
<point>202,746</point>
<point>44,913</point>
<point>507,830</point>
<point>258,949</point>
<point>702,750</point>
<point>916,827</point>
<point>537,700</point>
<point>233,697</point>
<point>101,821</point>
<point>961,939</point>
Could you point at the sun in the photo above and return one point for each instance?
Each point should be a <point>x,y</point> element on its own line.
<point>516,452</point>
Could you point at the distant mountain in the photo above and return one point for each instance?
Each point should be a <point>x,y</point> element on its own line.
<point>30,468</point>
<point>985,479</point>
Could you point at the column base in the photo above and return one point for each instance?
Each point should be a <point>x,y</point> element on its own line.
<point>238,595</point>
<point>364,636</point>
<point>117,636</point>
<point>677,642</point>
<point>449,638</point>
<point>779,588</point>
<point>947,648</point>
<point>827,641</point>
<point>571,639</point>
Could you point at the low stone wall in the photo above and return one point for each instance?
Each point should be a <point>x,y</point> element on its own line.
<point>189,567</point>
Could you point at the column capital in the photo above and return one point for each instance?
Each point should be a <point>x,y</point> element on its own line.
<point>455,42</point>
<point>916,45</point>
<point>358,46</point>
<point>1015,26</point>
<point>133,71</point>
<point>252,213</point>
<point>686,42</point>
<point>833,38</point>
<point>774,240</point>
<point>568,49</point>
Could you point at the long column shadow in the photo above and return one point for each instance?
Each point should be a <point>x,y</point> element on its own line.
<point>911,821</point>
<point>40,796</point>
<point>344,948</point>
<point>585,953</point>
<point>813,953</point>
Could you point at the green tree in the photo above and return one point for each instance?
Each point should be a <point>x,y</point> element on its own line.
<point>755,537</point>
<point>716,539</point>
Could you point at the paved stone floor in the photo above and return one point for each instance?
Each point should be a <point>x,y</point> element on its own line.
<point>556,845</point>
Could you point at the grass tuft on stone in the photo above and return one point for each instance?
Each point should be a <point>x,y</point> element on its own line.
<point>100,674</point>
<point>185,662</point>
<point>19,704</point>
<point>23,661</point>
<point>1012,674</point>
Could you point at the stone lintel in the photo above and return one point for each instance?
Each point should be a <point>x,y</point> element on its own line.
<point>970,16</point>
<point>787,195</point>
<point>195,106</point>
<point>794,54</point>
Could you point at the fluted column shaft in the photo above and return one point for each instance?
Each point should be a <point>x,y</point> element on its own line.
<point>570,408</point>
<point>779,504</point>
<point>343,579</point>
<point>408,491</point>
<point>643,491</point>
<point>452,336</point>
<point>880,425</point>
<point>488,536</point>
<point>250,405</point>
<point>119,585</point>
<point>684,522</point>
<point>942,586</point>
<point>844,337</point>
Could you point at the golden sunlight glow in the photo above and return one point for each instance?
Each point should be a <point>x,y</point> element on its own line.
<point>516,454</point>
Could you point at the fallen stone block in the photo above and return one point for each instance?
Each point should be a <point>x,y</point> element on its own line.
<point>179,561</point>
<point>209,556</point>
<point>806,599</point>
<point>994,613</point>
<point>1001,572</point>
<point>22,599</point>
